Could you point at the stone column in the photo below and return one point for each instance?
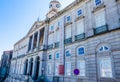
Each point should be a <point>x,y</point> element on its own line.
<point>28,69</point>
<point>38,39</point>
<point>32,41</point>
<point>24,68</point>
<point>46,30</point>
<point>34,69</point>
<point>40,67</point>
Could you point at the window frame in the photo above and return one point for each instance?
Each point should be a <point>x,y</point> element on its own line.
<point>68,34</point>
<point>50,39</point>
<point>49,56</point>
<point>49,70</point>
<point>57,68</point>
<point>78,12</point>
<point>100,73</point>
<point>100,2</point>
<point>78,51</point>
<point>96,14</point>
<point>66,69</point>
<point>69,53</point>
<point>78,22</point>
<point>57,35</point>
<point>78,66</point>
<point>56,55</point>
<point>103,48</point>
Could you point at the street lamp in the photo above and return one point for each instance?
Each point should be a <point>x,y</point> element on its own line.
<point>42,71</point>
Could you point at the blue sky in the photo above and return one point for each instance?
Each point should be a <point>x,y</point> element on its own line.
<point>17,17</point>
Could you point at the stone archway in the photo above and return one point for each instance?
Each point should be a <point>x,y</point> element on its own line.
<point>31,66</point>
<point>25,67</point>
<point>37,67</point>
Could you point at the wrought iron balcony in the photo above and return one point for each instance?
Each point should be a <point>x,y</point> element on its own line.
<point>101,29</point>
<point>21,56</point>
<point>50,46</point>
<point>67,41</point>
<point>57,44</point>
<point>80,37</point>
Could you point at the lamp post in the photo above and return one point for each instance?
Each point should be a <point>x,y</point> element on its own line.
<point>42,71</point>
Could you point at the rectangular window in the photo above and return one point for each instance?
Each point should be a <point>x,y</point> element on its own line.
<point>49,69</point>
<point>79,12</point>
<point>105,67</point>
<point>58,24</point>
<point>68,31</point>
<point>50,39</point>
<point>97,2</point>
<point>100,19</point>
<point>80,27</point>
<point>57,39</point>
<point>81,67</point>
<point>56,68</point>
<point>68,18</point>
<point>68,68</point>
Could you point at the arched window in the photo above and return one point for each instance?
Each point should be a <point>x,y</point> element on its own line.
<point>105,61</point>
<point>68,53</point>
<point>80,51</point>
<point>26,67</point>
<point>103,47</point>
<point>31,66</point>
<point>57,55</point>
<point>37,67</point>
<point>50,57</point>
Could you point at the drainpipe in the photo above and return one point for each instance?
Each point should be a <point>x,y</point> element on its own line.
<point>96,66</point>
<point>64,50</point>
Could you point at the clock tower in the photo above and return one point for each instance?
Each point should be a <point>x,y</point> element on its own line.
<point>54,7</point>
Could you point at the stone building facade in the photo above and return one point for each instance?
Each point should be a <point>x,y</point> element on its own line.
<point>84,36</point>
<point>5,64</point>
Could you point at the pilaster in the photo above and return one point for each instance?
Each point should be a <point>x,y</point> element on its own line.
<point>32,42</point>
<point>38,39</point>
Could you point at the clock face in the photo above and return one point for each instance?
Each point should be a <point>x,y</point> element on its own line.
<point>58,5</point>
<point>50,5</point>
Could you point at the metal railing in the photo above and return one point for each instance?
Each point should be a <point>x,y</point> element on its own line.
<point>67,41</point>
<point>80,37</point>
<point>101,29</point>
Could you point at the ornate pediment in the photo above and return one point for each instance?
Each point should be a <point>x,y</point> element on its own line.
<point>35,26</point>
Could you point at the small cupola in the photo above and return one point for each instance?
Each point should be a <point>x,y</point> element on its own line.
<point>54,7</point>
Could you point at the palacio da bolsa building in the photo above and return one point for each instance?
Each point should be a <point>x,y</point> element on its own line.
<point>80,43</point>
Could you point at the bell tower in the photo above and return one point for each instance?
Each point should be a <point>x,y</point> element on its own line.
<point>54,7</point>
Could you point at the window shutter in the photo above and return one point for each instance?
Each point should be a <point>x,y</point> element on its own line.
<point>105,67</point>
<point>80,27</point>
<point>100,19</point>
<point>81,66</point>
<point>68,31</point>
<point>68,68</point>
<point>57,36</point>
<point>50,39</point>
